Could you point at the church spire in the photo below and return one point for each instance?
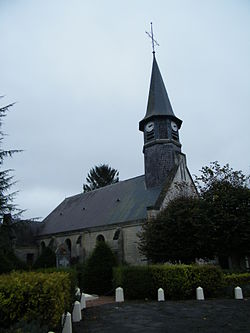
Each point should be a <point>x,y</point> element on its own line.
<point>158,102</point>
<point>160,126</point>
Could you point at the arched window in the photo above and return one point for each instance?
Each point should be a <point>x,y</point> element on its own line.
<point>42,246</point>
<point>100,238</point>
<point>68,243</point>
<point>79,241</point>
<point>51,243</point>
<point>117,234</point>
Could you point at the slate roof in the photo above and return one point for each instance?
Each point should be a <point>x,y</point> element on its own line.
<point>117,203</point>
<point>158,101</point>
<point>25,232</point>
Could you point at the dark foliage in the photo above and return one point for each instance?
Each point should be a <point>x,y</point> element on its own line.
<point>6,180</point>
<point>46,259</point>
<point>216,223</point>
<point>98,272</point>
<point>177,281</point>
<point>216,174</point>
<point>100,176</point>
<point>228,208</point>
<point>179,233</point>
<point>23,326</point>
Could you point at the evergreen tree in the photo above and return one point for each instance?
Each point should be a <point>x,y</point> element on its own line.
<point>100,176</point>
<point>6,180</point>
<point>98,272</point>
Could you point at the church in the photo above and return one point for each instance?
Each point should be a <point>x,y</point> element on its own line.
<point>115,213</point>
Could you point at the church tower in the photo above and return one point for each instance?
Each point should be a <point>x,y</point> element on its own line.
<point>161,132</point>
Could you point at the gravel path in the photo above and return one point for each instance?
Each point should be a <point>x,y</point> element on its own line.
<point>222,316</point>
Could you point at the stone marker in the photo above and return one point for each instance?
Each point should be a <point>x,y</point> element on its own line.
<point>67,328</point>
<point>119,296</point>
<point>238,293</point>
<point>199,294</point>
<point>83,301</point>
<point>77,314</point>
<point>161,296</point>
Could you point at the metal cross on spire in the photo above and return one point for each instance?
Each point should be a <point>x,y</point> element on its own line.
<point>151,36</point>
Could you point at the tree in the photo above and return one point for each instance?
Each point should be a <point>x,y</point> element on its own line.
<point>98,272</point>
<point>7,231</point>
<point>216,174</point>
<point>227,197</point>
<point>6,180</point>
<point>46,259</point>
<point>178,233</point>
<point>215,224</point>
<point>100,176</point>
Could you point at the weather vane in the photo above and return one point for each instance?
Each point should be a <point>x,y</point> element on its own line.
<point>151,36</point>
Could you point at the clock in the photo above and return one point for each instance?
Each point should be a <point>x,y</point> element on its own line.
<point>174,126</point>
<point>149,127</point>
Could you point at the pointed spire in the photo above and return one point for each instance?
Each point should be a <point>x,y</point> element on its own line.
<point>158,101</point>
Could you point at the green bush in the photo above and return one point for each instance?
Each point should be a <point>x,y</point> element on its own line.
<point>5,264</point>
<point>72,276</point>
<point>236,280</point>
<point>32,295</point>
<point>178,281</point>
<point>80,269</point>
<point>9,261</point>
<point>97,274</point>
<point>46,259</point>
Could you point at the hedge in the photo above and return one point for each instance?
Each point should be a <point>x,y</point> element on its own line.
<point>34,295</point>
<point>73,277</point>
<point>237,279</point>
<point>234,280</point>
<point>178,281</point>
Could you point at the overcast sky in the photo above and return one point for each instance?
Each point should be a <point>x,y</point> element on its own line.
<point>80,72</point>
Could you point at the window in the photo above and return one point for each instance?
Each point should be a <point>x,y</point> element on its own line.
<point>30,259</point>
<point>100,238</point>
<point>42,246</point>
<point>150,135</point>
<point>68,243</point>
<point>117,234</point>
<point>79,241</point>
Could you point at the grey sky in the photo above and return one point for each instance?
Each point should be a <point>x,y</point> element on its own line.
<point>80,73</point>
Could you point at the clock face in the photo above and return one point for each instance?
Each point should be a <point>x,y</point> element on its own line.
<point>174,126</point>
<point>149,127</point>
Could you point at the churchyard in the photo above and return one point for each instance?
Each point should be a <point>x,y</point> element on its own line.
<point>54,300</point>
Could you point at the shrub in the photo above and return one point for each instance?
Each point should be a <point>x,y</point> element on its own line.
<point>9,261</point>
<point>5,264</point>
<point>178,281</point>
<point>97,276</point>
<point>237,279</point>
<point>34,295</point>
<point>80,269</point>
<point>234,280</point>
<point>72,274</point>
<point>46,259</point>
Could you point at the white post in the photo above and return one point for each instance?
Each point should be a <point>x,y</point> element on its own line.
<point>119,295</point>
<point>78,292</point>
<point>238,293</point>
<point>161,296</point>
<point>77,315</point>
<point>199,294</point>
<point>83,301</point>
<point>67,328</point>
